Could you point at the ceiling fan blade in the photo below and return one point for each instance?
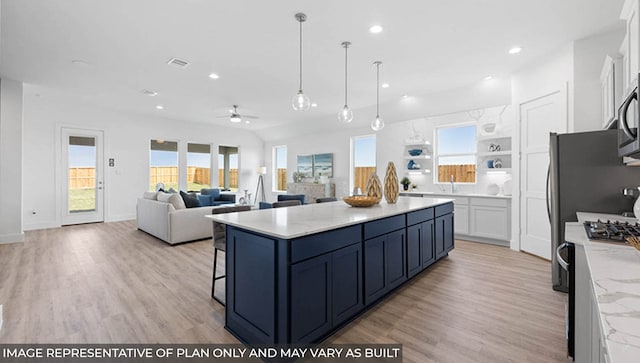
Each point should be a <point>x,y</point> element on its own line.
<point>251,117</point>
<point>225,116</point>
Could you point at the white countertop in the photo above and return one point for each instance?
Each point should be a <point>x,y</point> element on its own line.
<point>298,221</point>
<point>500,196</point>
<point>592,217</point>
<point>615,274</point>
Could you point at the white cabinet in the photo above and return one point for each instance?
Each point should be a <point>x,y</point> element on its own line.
<point>417,157</point>
<point>494,154</point>
<point>461,215</point>
<point>611,87</point>
<point>489,218</point>
<point>630,48</point>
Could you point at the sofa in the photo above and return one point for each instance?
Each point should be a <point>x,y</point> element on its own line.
<point>213,197</point>
<point>282,198</point>
<point>170,220</point>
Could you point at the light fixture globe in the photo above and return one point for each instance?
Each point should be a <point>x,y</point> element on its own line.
<point>377,124</point>
<point>346,115</point>
<point>301,102</point>
<point>235,118</point>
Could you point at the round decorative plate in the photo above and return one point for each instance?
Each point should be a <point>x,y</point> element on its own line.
<point>361,201</point>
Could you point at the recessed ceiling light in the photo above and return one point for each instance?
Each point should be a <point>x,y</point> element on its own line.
<point>160,107</point>
<point>314,105</point>
<point>375,29</point>
<point>214,76</point>
<point>385,85</point>
<point>515,50</point>
<point>405,96</point>
<point>247,122</point>
<point>488,78</point>
<point>149,93</point>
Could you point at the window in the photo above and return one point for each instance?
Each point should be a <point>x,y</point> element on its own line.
<point>280,168</point>
<point>363,160</point>
<point>198,166</point>
<point>163,164</point>
<point>228,167</point>
<point>456,153</point>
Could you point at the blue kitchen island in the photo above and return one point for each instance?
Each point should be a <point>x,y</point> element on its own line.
<point>295,275</point>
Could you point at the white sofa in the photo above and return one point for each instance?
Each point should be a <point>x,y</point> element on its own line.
<point>163,220</point>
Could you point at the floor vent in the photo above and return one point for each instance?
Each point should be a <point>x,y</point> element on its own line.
<point>178,63</point>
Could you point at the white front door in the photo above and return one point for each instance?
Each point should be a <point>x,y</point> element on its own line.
<point>538,117</point>
<point>83,189</point>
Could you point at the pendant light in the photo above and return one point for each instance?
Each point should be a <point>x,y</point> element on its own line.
<point>345,115</point>
<point>300,101</point>
<point>378,123</point>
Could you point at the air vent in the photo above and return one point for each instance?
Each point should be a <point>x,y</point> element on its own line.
<point>149,93</point>
<point>178,63</point>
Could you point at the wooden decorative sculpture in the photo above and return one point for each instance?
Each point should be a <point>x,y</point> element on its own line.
<point>391,191</point>
<point>374,187</point>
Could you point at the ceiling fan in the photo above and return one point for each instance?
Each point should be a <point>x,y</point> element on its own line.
<point>235,117</point>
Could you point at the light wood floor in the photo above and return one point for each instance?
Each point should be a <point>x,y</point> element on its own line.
<point>110,283</point>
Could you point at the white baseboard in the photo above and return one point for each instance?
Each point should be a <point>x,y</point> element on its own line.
<point>11,238</point>
<point>120,218</point>
<point>42,225</point>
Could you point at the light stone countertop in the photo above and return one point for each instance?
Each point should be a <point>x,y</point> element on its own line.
<point>615,274</point>
<point>445,194</point>
<point>298,221</point>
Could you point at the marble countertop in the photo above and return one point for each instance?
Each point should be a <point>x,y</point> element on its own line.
<point>500,196</point>
<point>615,274</point>
<point>294,222</point>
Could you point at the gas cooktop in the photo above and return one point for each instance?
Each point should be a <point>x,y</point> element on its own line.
<point>611,231</point>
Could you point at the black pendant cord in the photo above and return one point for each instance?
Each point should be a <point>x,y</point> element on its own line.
<point>300,89</point>
<point>345,73</point>
<point>377,90</point>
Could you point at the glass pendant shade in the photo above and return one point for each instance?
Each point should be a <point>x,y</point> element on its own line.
<point>345,115</point>
<point>377,124</point>
<point>301,102</point>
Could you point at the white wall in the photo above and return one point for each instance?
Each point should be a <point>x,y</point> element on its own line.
<point>589,55</point>
<point>127,139</point>
<point>11,161</point>
<point>390,140</point>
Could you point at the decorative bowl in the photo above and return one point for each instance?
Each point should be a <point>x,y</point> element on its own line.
<point>415,152</point>
<point>361,201</point>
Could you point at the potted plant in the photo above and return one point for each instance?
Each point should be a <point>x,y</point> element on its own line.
<point>405,183</point>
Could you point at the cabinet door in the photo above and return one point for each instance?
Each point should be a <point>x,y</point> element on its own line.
<point>633,33</point>
<point>374,271</point>
<point>311,299</point>
<point>384,264</point>
<point>414,247</point>
<point>428,246</point>
<point>490,222</point>
<point>346,283</point>
<point>396,261</point>
<point>443,235</point>
<point>462,219</point>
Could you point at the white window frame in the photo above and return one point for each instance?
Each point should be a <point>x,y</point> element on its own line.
<point>274,172</point>
<point>352,159</point>
<point>436,155</point>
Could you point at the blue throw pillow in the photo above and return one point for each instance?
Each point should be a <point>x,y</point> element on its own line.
<point>283,197</point>
<point>213,192</point>
<point>205,200</point>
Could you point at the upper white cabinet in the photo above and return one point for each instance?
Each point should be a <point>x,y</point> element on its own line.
<point>611,84</point>
<point>630,48</point>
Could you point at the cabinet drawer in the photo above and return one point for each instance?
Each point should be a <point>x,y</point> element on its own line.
<point>489,202</point>
<point>321,243</point>
<point>382,226</point>
<point>444,209</point>
<point>419,216</point>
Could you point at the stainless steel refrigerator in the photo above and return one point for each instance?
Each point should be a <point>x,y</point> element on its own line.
<point>585,174</point>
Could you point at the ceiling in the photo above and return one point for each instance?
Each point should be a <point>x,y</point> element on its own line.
<point>427,46</point>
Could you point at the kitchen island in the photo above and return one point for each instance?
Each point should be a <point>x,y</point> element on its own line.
<point>295,275</point>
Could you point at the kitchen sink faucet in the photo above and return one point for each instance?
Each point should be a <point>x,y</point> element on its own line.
<point>451,181</point>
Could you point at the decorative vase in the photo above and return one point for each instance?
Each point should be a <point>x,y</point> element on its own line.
<point>405,187</point>
<point>374,187</point>
<point>391,184</point>
<point>636,207</point>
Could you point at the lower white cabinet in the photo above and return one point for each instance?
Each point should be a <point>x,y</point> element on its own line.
<point>489,218</point>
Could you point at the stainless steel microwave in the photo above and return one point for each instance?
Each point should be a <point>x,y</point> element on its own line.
<point>628,120</point>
